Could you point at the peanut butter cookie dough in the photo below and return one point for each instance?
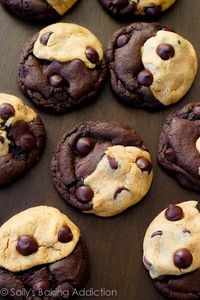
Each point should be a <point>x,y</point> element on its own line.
<point>171,251</point>
<point>131,8</point>
<point>22,138</point>
<point>39,10</point>
<point>42,255</point>
<point>150,66</point>
<point>102,168</point>
<point>62,67</point>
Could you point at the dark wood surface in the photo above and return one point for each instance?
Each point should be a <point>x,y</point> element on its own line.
<point>115,244</point>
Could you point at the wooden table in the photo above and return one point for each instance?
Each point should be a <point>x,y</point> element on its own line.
<point>115,244</point>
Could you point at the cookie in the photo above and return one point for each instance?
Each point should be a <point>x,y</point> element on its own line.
<point>22,138</point>
<point>171,251</point>
<point>42,255</point>
<point>179,145</point>
<point>62,67</point>
<point>150,66</point>
<point>101,168</point>
<point>131,8</point>
<point>39,10</point>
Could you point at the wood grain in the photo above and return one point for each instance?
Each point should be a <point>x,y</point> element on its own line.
<point>115,244</point>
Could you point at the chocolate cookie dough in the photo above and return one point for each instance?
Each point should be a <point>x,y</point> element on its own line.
<point>22,138</point>
<point>150,66</point>
<point>38,10</point>
<point>171,251</point>
<point>131,8</point>
<point>179,145</point>
<point>101,168</point>
<point>41,255</point>
<point>62,67</point>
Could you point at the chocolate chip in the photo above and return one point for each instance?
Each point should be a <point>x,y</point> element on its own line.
<point>174,213</point>
<point>120,3</point>
<point>26,245</point>
<point>113,163</point>
<point>159,232</point>
<point>27,142</point>
<point>147,263</point>
<point>6,111</point>
<point>196,109</point>
<point>186,231</point>
<point>65,235</point>
<point>2,139</point>
<point>122,40</point>
<point>56,80</point>
<point>145,78</point>
<point>41,285</point>
<point>165,51</point>
<point>170,155</point>
<point>144,164</point>
<point>153,10</point>
<point>183,258</point>
<point>84,145</point>
<point>179,42</point>
<point>45,37</point>
<point>84,194</point>
<point>92,55</point>
<point>119,190</point>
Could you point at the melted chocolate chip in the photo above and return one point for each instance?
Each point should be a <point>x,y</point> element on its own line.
<point>145,78</point>
<point>144,164</point>
<point>84,194</point>
<point>65,235</point>
<point>84,145</point>
<point>183,258</point>
<point>26,245</point>
<point>27,142</point>
<point>41,285</point>
<point>120,3</point>
<point>113,163</point>
<point>45,37</point>
<point>174,213</point>
<point>165,51</point>
<point>1,139</point>
<point>6,111</point>
<point>153,10</point>
<point>196,109</point>
<point>19,128</point>
<point>159,232</point>
<point>56,80</point>
<point>122,40</point>
<point>119,190</point>
<point>170,155</point>
<point>92,55</point>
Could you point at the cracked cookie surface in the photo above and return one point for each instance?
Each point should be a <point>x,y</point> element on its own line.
<point>171,251</point>
<point>22,138</point>
<point>178,149</point>
<point>62,67</point>
<point>39,10</point>
<point>131,8</point>
<point>161,70</point>
<point>102,168</point>
<point>42,254</point>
